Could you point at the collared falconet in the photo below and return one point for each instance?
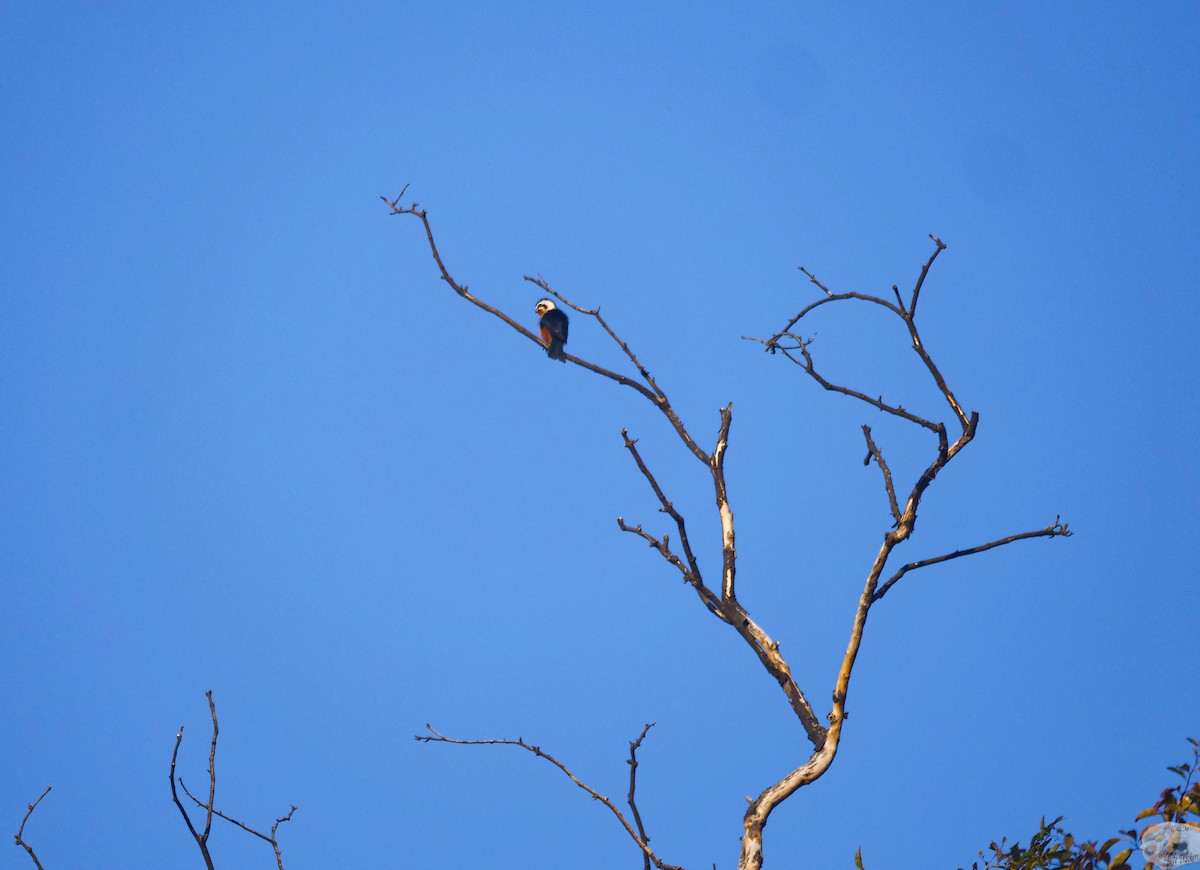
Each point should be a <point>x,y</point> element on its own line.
<point>553,324</point>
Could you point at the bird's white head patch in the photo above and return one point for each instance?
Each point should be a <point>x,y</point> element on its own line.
<point>543,306</point>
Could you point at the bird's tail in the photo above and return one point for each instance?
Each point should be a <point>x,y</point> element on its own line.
<point>555,350</point>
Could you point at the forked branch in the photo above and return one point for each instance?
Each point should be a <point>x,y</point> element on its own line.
<point>272,839</point>
<point>201,838</point>
<point>691,571</point>
<point>906,313</point>
<point>638,835</point>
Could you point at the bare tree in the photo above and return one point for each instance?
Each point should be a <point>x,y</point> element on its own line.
<point>721,599</point>
<point>723,603</point>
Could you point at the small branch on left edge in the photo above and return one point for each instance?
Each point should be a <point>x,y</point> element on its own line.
<point>435,737</point>
<point>33,806</point>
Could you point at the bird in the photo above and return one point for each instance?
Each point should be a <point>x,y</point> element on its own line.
<point>553,324</point>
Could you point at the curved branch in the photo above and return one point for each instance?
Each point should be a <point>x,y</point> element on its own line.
<point>832,297</point>
<point>33,806</point>
<point>201,839</point>
<point>907,315</point>
<point>435,737</point>
<point>912,306</point>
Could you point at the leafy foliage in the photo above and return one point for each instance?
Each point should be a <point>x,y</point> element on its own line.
<point>1053,848</point>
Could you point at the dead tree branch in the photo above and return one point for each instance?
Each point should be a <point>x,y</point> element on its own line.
<point>1055,530</point>
<point>638,836</point>
<point>274,828</point>
<point>904,524</point>
<point>200,838</point>
<point>874,452</point>
<point>209,807</point>
<point>33,806</point>
<point>691,572</point>
<point>633,764</point>
<point>542,283</point>
<point>725,606</point>
<point>650,393</point>
<point>912,305</point>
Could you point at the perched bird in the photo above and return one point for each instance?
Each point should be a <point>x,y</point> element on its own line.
<point>554,328</point>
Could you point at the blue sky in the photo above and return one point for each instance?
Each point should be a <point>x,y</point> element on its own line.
<point>252,444</point>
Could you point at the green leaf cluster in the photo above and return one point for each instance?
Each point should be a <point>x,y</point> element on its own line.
<point>1051,847</point>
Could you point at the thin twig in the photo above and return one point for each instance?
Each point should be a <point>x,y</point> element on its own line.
<point>919,347</point>
<point>873,451</point>
<point>435,737</point>
<point>807,364</point>
<point>912,306</point>
<point>201,839</point>
<point>662,545</point>
<point>693,573</point>
<point>813,279</point>
<point>274,828</point>
<point>33,806</point>
<point>637,817</point>
<point>212,773</point>
<point>1055,529</point>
